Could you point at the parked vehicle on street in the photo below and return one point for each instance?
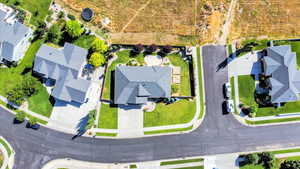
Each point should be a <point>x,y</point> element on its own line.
<point>33,126</point>
<point>227,90</point>
<point>230,106</point>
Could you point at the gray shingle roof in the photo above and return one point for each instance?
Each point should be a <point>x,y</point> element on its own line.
<point>11,35</point>
<point>135,84</point>
<point>64,66</point>
<point>280,64</point>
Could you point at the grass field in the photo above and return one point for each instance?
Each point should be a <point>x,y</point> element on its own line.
<point>200,82</point>
<point>108,117</point>
<point>10,77</point>
<point>185,82</point>
<point>6,146</point>
<point>272,18</point>
<point>181,161</point>
<point>160,22</point>
<point>38,7</point>
<point>182,111</point>
<point>167,131</point>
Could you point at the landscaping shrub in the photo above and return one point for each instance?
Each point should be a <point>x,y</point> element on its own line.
<point>99,45</point>
<point>290,164</point>
<point>61,14</point>
<point>267,159</point>
<point>92,117</point>
<point>74,28</point>
<point>20,116</point>
<point>18,94</point>
<point>97,59</point>
<point>174,88</point>
<point>54,34</point>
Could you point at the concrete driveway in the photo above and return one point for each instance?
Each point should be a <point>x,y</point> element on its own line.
<point>130,120</point>
<point>69,117</point>
<point>245,65</point>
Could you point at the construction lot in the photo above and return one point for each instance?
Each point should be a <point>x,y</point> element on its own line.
<point>174,22</point>
<point>268,18</point>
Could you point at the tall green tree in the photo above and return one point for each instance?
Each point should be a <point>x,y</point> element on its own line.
<point>91,120</point>
<point>99,45</point>
<point>74,29</point>
<point>97,59</point>
<point>29,85</point>
<point>290,164</point>
<point>16,95</point>
<point>20,116</point>
<point>54,34</point>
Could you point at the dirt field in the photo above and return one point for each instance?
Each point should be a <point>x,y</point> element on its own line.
<point>271,18</point>
<point>157,21</point>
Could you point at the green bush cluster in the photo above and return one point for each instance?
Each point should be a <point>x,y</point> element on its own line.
<point>27,88</point>
<point>290,164</point>
<point>265,158</point>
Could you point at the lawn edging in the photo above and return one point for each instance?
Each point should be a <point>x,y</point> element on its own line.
<point>8,154</point>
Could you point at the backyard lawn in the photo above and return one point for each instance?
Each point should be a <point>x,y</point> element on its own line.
<point>185,83</point>
<point>85,41</point>
<point>10,77</point>
<point>246,93</point>
<point>108,118</point>
<point>182,111</point>
<point>39,9</point>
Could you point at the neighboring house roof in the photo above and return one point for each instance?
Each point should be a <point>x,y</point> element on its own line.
<point>64,66</point>
<point>11,34</point>
<point>135,84</point>
<point>280,64</point>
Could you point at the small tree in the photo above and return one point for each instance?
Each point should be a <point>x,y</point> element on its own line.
<point>32,121</point>
<point>267,159</point>
<point>15,96</point>
<point>152,48</point>
<point>97,59</point>
<point>290,164</point>
<point>99,45</point>
<point>251,158</point>
<point>29,85</point>
<point>90,123</point>
<point>138,48</point>
<point>167,49</point>
<point>54,34</point>
<point>20,116</point>
<point>74,28</point>
<point>253,110</point>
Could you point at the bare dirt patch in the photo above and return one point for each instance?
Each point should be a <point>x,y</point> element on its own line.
<point>157,21</point>
<point>271,18</point>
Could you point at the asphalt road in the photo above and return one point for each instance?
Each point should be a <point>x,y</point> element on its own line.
<point>218,134</point>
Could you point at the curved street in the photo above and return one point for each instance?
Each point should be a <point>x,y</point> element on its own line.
<point>217,134</point>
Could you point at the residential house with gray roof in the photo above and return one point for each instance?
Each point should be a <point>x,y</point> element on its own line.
<point>281,67</point>
<point>64,66</point>
<point>14,38</point>
<point>137,84</point>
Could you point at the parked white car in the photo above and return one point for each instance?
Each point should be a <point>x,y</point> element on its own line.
<point>227,90</point>
<point>230,106</point>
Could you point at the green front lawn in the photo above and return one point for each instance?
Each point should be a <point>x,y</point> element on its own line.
<point>252,167</point>
<point>10,77</point>
<point>39,9</point>
<point>168,131</point>
<point>260,45</point>
<point>108,118</point>
<point>185,82</point>
<point>200,83</point>
<point>195,167</point>
<point>182,111</point>
<point>246,93</point>
<point>181,161</point>
<point>107,134</point>
<point>6,146</point>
